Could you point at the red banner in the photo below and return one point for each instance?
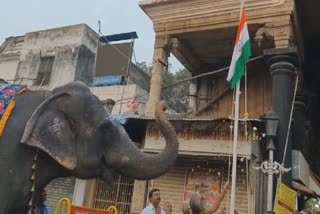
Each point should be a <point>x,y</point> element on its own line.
<point>83,210</point>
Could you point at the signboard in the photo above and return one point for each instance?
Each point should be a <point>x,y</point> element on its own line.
<point>203,137</point>
<point>84,210</point>
<point>113,60</point>
<point>286,200</point>
<point>208,183</point>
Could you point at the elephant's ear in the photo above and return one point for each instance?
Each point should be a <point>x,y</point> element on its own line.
<point>50,130</point>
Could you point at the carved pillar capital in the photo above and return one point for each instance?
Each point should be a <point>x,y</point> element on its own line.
<point>280,32</point>
<point>281,61</point>
<point>164,42</point>
<point>282,64</point>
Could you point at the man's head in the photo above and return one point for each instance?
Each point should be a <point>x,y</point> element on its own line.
<point>168,207</point>
<point>154,197</point>
<point>108,105</point>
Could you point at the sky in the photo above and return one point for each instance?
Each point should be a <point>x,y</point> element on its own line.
<point>116,16</point>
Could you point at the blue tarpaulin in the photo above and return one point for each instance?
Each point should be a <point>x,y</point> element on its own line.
<point>107,80</point>
<point>123,118</point>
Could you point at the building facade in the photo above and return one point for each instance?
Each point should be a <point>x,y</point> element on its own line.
<point>279,78</point>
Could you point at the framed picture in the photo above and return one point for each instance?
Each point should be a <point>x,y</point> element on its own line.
<point>206,181</point>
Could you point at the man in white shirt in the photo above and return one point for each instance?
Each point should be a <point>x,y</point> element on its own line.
<point>154,207</point>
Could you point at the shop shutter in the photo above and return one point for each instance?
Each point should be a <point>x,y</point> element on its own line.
<point>57,189</point>
<point>172,184</point>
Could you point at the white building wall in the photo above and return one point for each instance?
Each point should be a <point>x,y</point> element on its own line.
<point>8,70</point>
<point>64,44</point>
<point>9,57</point>
<point>63,69</point>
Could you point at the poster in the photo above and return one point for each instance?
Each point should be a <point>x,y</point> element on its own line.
<point>207,181</point>
<point>286,200</point>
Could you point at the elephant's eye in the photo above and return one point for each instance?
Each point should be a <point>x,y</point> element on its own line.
<point>105,125</point>
<point>72,124</point>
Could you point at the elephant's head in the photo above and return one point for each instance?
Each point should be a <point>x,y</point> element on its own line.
<point>72,127</point>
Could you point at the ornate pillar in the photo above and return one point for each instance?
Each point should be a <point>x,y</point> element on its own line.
<point>282,68</point>
<point>160,62</point>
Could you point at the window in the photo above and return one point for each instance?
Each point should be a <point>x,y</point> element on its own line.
<point>45,70</point>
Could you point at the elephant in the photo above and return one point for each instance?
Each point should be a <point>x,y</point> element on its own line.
<point>67,132</point>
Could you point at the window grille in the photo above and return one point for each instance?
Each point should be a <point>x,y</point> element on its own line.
<point>45,70</point>
<point>118,194</point>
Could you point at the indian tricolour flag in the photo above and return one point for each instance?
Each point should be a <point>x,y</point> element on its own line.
<point>241,52</point>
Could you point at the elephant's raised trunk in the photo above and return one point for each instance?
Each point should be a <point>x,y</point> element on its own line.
<point>139,165</point>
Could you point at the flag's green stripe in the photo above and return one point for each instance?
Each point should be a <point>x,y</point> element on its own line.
<point>241,63</point>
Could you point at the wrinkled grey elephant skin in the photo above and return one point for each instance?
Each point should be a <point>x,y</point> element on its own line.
<point>70,131</point>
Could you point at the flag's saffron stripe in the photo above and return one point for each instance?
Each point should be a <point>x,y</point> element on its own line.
<point>243,23</point>
<point>241,52</point>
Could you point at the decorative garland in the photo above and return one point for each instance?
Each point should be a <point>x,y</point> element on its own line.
<point>7,103</point>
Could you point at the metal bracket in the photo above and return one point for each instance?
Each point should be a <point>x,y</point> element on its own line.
<point>271,168</point>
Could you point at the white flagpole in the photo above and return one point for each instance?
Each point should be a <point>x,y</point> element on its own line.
<point>235,143</point>
<point>235,137</point>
